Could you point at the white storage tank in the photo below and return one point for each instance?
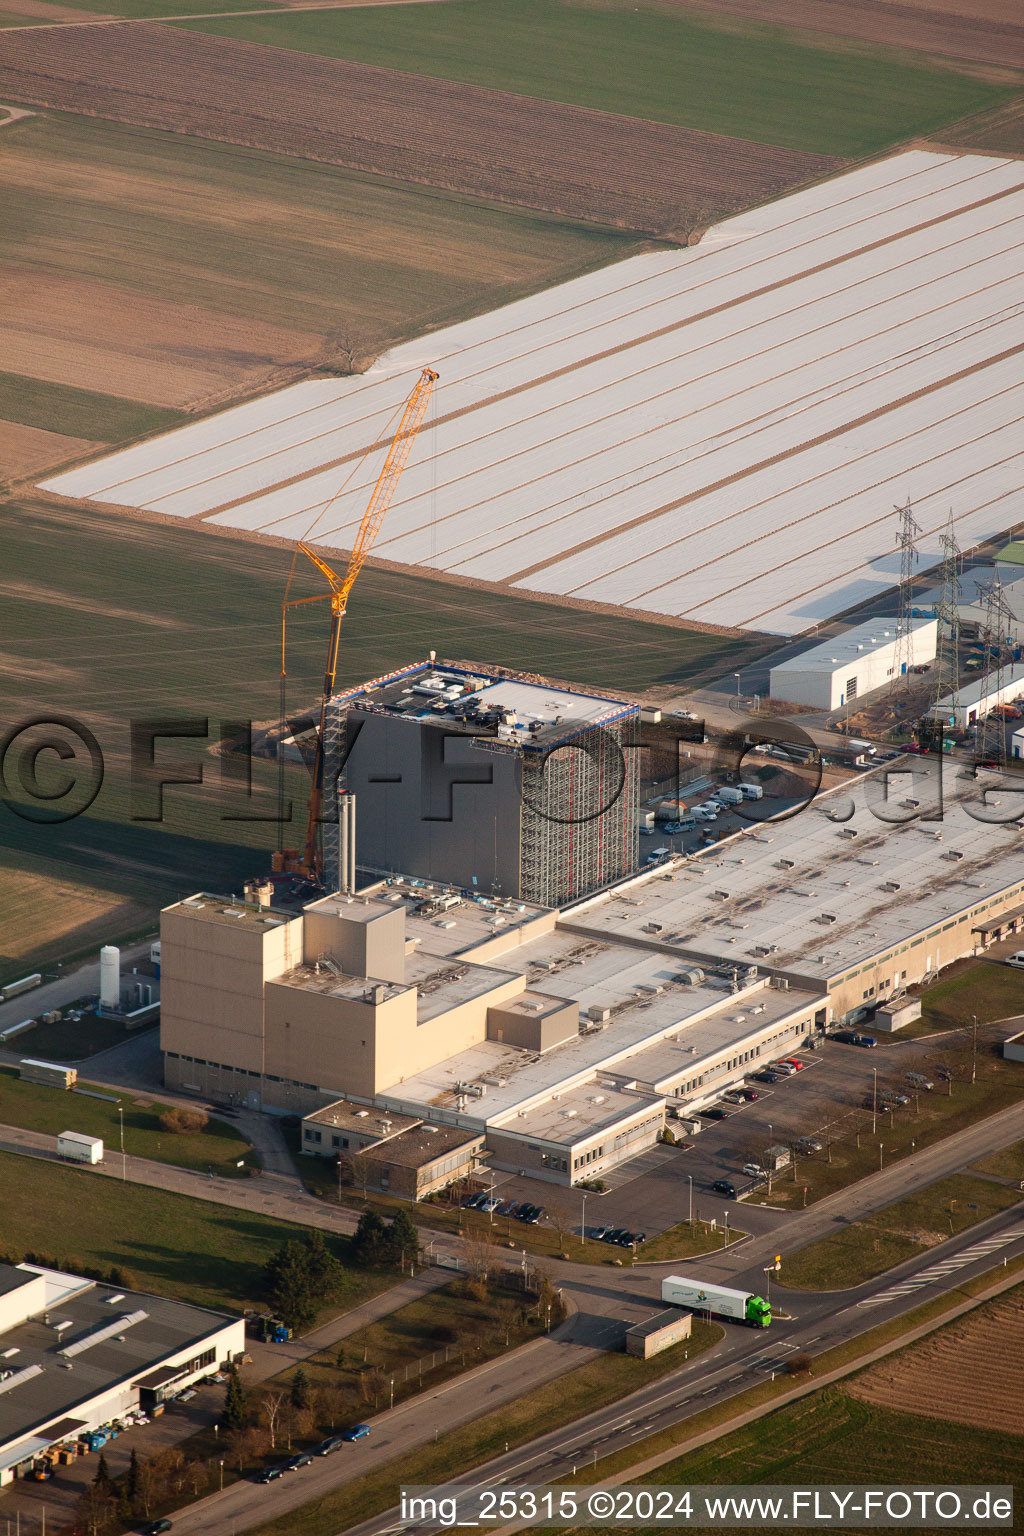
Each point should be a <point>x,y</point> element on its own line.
<point>110,976</point>
<point>78,1148</point>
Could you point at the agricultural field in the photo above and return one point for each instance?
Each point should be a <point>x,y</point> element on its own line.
<point>834,1438</point>
<point>648,61</point>
<point>166,620</point>
<point>653,177</point>
<point>31,408</point>
<point>932,1378</point>
<point>901,1231</point>
<point>980,31</point>
<point>148,273</point>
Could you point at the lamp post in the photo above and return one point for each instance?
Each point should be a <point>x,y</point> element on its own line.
<point>392,1403</point>
<point>690,1179</point>
<point>583,1222</point>
<point>881,1149</point>
<point>737,677</point>
<point>124,1165</point>
<point>222,1474</point>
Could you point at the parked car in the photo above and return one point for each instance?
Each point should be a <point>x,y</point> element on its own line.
<point>865,1040</point>
<point>714,1113</point>
<point>749,1095</point>
<point>600,1233</point>
<point>357,1432</point>
<point>537,1214</point>
<point>300,1459</point>
<point>525,1211</point>
<point>892,1096</point>
<point>795,1063</point>
<point>1017,959</point>
<point>639,1237</point>
<point>490,1204</point>
<point>326,1447</point>
<point>473,1202</point>
<point>508,1208</point>
<point>786,1068</point>
<point>918,1080</point>
<point>752,1170</point>
<point>155,1527</point>
<point>809,1144</point>
<point>846,1036</point>
<point>766,1076</point>
<point>724,1187</point>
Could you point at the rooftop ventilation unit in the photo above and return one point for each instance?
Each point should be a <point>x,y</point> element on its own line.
<point>785,863</point>
<point>15,1378</point>
<point>100,1335</point>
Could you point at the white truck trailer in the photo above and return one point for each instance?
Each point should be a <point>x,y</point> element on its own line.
<point>719,1300</point>
<point>78,1148</point>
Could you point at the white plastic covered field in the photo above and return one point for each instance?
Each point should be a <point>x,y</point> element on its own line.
<point>718,433</point>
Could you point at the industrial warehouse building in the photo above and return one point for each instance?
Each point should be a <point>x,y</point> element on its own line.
<point>77,1356</point>
<point>777,389</point>
<point>975,700</point>
<point>855,663</point>
<point>485,781</point>
<point>555,1042</point>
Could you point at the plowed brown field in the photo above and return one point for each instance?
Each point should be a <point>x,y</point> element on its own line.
<point>969,1373</point>
<point>540,154</point>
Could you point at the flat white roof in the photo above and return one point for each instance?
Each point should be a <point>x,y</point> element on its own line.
<point>992,687</point>
<point>776,389</point>
<point>807,896</point>
<point>851,646</point>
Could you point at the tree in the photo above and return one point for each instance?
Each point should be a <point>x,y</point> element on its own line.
<point>103,1472</point>
<point>270,1412</point>
<point>234,1414</point>
<point>403,1239</point>
<point>131,1479</point>
<point>299,1394</point>
<point>300,1277</point>
<point>370,1243</point>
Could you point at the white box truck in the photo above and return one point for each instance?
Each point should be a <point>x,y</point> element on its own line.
<point>78,1148</point>
<point>719,1300</point>
<point>729,795</point>
<point>751,791</point>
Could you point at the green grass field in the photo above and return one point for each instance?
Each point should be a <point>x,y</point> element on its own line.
<point>1007,1164</point>
<point>990,990</point>
<point>175,622</point>
<point>80,412</point>
<point>859,1252</point>
<point>52,1110</point>
<point>172,1245</point>
<point>752,82</point>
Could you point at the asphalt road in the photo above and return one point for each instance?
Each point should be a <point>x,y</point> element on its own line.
<point>818,1322</point>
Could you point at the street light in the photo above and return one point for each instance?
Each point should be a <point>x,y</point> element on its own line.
<point>690,1178</point>
<point>222,1474</point>
<point>881,1149</point>
<point>124,1165</point>
<point>737,677</point>
<point>583,1223</point>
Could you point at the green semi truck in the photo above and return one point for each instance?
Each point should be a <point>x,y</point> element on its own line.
<point>718,1300</point>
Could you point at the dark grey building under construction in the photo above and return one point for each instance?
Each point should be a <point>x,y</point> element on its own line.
<point>496,784</point>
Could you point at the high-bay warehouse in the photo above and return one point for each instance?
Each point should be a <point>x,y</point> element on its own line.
<point>425,1025</point>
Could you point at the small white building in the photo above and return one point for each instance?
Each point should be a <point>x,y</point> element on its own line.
<point>1017,744</point>
<point>78,1148</point>
<point>845,668</point>
<point>978,698</point>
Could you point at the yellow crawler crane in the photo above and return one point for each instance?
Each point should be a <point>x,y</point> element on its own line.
<point>310,861</point>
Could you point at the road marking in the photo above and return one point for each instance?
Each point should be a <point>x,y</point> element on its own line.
<point>942,1271</point>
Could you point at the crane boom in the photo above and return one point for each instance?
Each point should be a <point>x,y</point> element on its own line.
<point>311,861</point>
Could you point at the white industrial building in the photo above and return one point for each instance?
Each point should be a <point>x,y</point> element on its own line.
<point>776,390</point>
<point>77,1355</point>
<point>975,700</point>
<point>855,663</point>
<point>1017,744</point>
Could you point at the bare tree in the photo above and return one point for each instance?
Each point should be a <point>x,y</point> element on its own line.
<point>270,1411</point>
